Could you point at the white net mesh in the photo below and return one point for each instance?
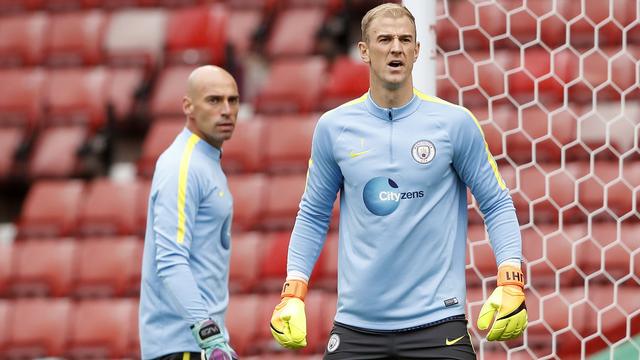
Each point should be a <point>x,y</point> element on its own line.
<point>554,83</point>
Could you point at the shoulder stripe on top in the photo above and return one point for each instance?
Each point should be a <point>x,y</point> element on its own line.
<point>182,184</point>
<point>490,159</point>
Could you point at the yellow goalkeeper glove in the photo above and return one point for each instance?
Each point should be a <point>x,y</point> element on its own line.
<point>288,322</point>
<point>508,301</point>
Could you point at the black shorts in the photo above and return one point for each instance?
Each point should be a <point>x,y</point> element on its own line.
<point>180,356</point>
<point>446,340</point>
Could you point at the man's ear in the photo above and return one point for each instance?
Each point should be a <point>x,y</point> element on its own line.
<point>187,105</point>
<point>417,51</point>
<point>364,52</point>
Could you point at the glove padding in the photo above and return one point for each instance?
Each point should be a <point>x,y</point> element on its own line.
<point>212,342</point>
<point>508,301</point>
<point>289,322</point>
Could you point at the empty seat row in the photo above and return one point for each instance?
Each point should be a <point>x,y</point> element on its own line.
<point>257,145</point>
<point>93,267</point>
<point>512,23</point>
<point>32,97</point>
<point>60,327</point>
<point>151,36</point>
<point>474,77</point>
<point>345,79</point>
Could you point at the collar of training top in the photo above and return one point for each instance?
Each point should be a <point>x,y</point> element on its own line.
<point>209,150</point>
<point>392,113</point>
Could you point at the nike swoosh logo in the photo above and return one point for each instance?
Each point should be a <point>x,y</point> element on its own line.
<point>354,154</point>
<point>451,342</point>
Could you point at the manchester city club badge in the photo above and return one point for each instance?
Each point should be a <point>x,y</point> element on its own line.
<point>423,151</point>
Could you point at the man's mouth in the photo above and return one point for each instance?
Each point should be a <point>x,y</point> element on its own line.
<point>395,63</point>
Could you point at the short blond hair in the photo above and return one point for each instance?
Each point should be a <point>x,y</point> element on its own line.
<point>389,9</point>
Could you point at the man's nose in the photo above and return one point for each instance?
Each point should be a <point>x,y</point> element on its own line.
<point>226,107</point>
<point>396,46</point>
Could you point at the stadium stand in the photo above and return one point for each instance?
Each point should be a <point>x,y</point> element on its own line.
<point>246,258</point>
<point>41,215</point>
<point>244,152</point>
<point>6,266</point>
<point>11,140</point>
<point>108,208</point>
<point>22,43</point>
<point>108,267</point>
<point>38,328</point>
<point>44,267</point>
<point>75,38</point>
<point>197,35</point>
<point>101,329</point>
<point>21,93</point>
<point>56,152</point>
<point>291,156</point>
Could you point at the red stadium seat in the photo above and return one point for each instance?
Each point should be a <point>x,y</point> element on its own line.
<point>249,198</point>
<point>264,342</point>
<point>22,40</point>
<point>241,152</point>
<point>75,38</point>
<point>348,79</point>
<point>6,266</point>
<point>109,208</point>
<point>283,196</point>
<point>56,152</point>
<point>295,26</point>
<point>292,86</point>
<point>158,138</point>
<point>317,334</point>
<point>108,267</point>
<point>328,262</point>
<point>197,35</point>
<point>38,328</point>
<point>10,141</point>
<point>123,85</point>
<point>245,261</point>
<point>292,155</point>
<point>245,24</point>
<point>142,206</point>
<point>171,86</point>
<point>5,310</point>
<point>16,6</point>
<point>21,91</point>
<point>135,37</point>
<point>41,214</point>
<point>241,322</point>
<point>44,267</point>
<point>102,328</point>
<point>273,261</point>
<point>77,96</point>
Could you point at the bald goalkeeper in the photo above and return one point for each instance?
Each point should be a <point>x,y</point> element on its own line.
<point>185,269</point>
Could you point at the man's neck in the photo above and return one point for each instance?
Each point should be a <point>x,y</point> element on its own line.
<point>392,98</point>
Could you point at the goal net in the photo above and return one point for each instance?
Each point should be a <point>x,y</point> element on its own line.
<point>554,84</point>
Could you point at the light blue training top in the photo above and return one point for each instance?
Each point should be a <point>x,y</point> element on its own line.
<point>185,268</point>
<point>402,175</point>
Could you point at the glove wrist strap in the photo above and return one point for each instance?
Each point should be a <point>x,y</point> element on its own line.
<point>294,288</point>
<point>510,275</point>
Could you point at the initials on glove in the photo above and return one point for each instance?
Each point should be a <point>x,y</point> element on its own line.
<point>212,342</point>
<point>506,304</point>
<point>288,322</point>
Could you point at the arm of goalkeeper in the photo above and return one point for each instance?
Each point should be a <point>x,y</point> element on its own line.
<point>506,304</point>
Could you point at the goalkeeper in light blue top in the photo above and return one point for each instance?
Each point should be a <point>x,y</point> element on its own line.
<point>401,162</point>
<point>185,269</point>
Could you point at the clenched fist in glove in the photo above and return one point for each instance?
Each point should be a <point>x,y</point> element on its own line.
<point>507,300</point>
<point>289,322</point>
<point>212,342</point>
